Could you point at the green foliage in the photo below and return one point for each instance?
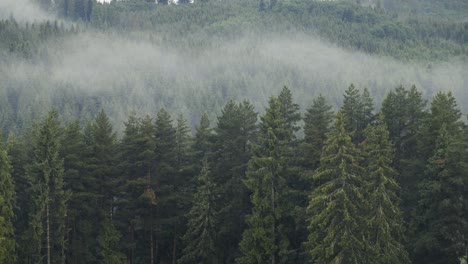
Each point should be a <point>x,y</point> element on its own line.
<point>49,200</point>
<point>385,221</point>
<point>357,109</point>
<point>235,132</point>
<point>7,204</point>
<point>442,207</point>
<point>337,225</point>
<point>108,241</point>
<point>200,237</point>
<point>264,239</point>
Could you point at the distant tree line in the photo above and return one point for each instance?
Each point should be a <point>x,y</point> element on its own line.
<point>361,186</point>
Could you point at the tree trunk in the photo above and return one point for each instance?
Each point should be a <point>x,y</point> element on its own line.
<point>152,246</point>
<point>174,245</point>
<point>48,233</point>
<point>273,257</point>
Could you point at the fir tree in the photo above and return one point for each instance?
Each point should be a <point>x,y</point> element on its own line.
<point>337,226</point>
<point>81,233</point>
<point>108,241</point>
<point>203,142</point>
<point>443,225</point>
<point>264,240</point>
<point>200,237</point>
<point>357,109</point>
<point>49,204</point>
<point>289,111</point>
<point>7,204</point>
<point>235,132</point>
<point>316,125</point>
<point>384,220</point>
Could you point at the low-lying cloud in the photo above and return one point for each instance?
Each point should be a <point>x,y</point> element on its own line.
<point>137,75</point>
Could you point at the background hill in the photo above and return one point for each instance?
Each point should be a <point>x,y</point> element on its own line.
<point>80,56</point>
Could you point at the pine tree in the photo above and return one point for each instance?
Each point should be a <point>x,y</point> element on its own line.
<point>108,242</point>
<point>357,109</point>
<point>137,198</point>
<point>289,111</point>
<point>81,233</point>
<point>384,220</point>
<point>49,204</point>
<point>103,170</point>
<point>200,237</point>
<point>337,227</point>
<point>203,142</point>
<point>404,111</point>
<point>317,122</point>
<point>166,181</point>
<point>443,206</point>
<point>235,132</point>
<point>264,240</point>
<point>20,152</point>
<point>7,204</point>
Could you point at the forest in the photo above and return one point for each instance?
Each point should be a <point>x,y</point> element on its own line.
<point>361,186</point>
<point>240,131</point>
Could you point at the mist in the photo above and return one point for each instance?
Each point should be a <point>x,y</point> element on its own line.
<point>123,75</point>
<point>23,11</point>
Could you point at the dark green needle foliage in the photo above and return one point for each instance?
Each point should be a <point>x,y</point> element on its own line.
<point>264,240</point>
<point>385,223</point>
<point>337,226</point>
<point>200,237</point>
<point>7,204</point>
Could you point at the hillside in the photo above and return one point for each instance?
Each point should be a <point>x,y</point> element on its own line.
<point>138,56</point>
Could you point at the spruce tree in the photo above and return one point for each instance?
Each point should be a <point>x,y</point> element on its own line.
<point>289,111</point>
<point>137,198</point>
<point>165,180</point>
<point>337,225</point>
<point>203,142</point>
<point>385,221</point>
<point>49,205</point>
<point>357,109</point>
<point>235,132</point>
<point>200,237</point>
<point>81,233</point>
<point>317,120</point>
<point>264,240</point>
<point>443,206</point>
<point>103,171</point>
<point>7,204</point>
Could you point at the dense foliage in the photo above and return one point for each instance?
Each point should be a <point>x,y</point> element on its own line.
<point>114,173</point>
<point>160,195</point>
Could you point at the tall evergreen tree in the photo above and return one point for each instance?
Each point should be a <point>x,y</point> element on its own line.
<point>317,122</point>
<point>289,111</point>
<point>166,181</point>
<point>443,225</point>
<point>337,226</point>
<point>404,111</point>
<point>203,142</point>
<point>137,198</point>
<point>384,220</point>
<point>49,204</point>
<point>200,237</point>
<point>103,169</point>
<point>80,234</point>
<point>235,132</point>
<point>7,204</point>
<point>264,241</point>
<point>357,109</point>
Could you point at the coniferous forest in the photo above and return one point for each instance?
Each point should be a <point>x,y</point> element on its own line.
<point>233,132</point>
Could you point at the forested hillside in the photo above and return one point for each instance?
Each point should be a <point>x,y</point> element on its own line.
<point>270,131</point>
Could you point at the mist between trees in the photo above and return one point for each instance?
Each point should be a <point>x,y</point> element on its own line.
<point>82,73</point>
